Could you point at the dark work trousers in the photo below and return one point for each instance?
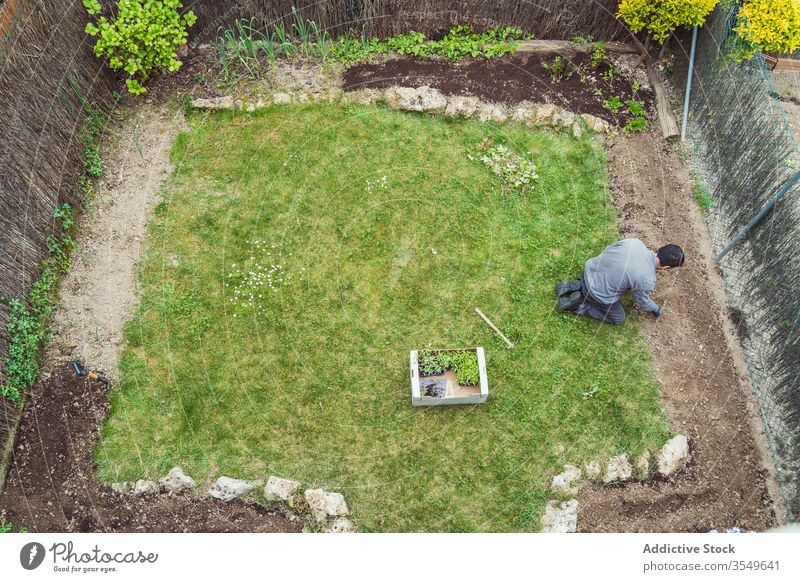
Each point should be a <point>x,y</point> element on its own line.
<point>613,313</point>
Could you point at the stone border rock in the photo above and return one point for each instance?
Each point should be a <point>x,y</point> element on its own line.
<point>424,99</point>
<point>326,511</point>
<point>561,513</point>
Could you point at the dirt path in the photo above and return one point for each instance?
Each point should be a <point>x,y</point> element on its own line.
<point>52,484</point>
<point>99,292</point>
<point>704,387</point>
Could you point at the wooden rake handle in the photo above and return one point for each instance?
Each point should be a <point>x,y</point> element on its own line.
<point>494,327</point>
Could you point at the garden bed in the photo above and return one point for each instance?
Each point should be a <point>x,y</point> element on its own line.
<point>510,80</point>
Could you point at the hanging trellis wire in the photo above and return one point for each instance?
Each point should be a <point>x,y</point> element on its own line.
<point>744,151</point>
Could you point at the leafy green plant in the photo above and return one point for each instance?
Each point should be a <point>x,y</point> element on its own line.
<point>464,364</point>
<point>614,104</point>
<point>609,74</point>
<point>517,173</point>
<point>558,68</point>
<point>8,527</point>
<point>635,108</point>
<point>599,55</point>
<point>92,161</point>
<point>638,120</point>
<point>142,39</point>
<point>432,363</point>
<point>460,41</point>
<point>579,39</point>
<point>703,198</point>
<point>63,212</point>
<point>635,124</point>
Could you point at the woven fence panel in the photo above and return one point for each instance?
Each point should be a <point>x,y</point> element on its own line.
<point>547,19</point>
<point>744,152</point>
<point>44,56</point>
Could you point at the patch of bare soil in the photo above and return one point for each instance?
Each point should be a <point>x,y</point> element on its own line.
<point>704,387</point>
<point>52,485</point>
<point>508,80</point>
<point>99,292</point>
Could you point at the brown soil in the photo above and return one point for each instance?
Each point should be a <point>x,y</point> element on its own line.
<point>705,390</point>
<point>52,485</point>
<point>99,292</point>
<point>508,80</point>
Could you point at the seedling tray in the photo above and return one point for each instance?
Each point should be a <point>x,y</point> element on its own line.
<point>444,389</point>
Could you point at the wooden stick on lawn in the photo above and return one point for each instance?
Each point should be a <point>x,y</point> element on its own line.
<point>494,327</point>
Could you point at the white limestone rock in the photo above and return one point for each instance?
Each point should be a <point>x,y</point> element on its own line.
<point>342,525</point>
<point>642,465</point>
<point>523,111</point>
<point>595,124</point>
<point>145,487</point>
<point>278,489</point>
<point>673,455</point>
<point>176,481</point>
<point>618,469</point>
<point>281,98</point>
<point>566,483</point>
<point>544,114</point>
<point>462,105</point>
<point>225,102</point>
<point>227,489</point>
<point>416,99</point>
<point>122,488</point>
<point>560,517</point>
<point>491,112</point>
<point>562,118</point>
<point>592,470</point>
<point>324,504</point>
<point>364,96</point>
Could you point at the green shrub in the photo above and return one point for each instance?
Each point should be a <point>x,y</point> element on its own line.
<point>661,17</point>
<point>141,39</point>
<point>769,25</point>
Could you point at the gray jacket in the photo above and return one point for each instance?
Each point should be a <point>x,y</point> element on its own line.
<point>626,265</point>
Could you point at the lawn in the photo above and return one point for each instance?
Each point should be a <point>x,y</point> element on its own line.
<point>348,272</point>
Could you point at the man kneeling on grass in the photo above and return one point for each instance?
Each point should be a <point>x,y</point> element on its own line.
<point>626,265</point>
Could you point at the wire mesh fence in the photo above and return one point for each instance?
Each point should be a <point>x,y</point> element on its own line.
<point>744,150</point>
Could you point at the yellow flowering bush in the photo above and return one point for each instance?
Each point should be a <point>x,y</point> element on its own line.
<point>661,17</point>
<point>770,25</point>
